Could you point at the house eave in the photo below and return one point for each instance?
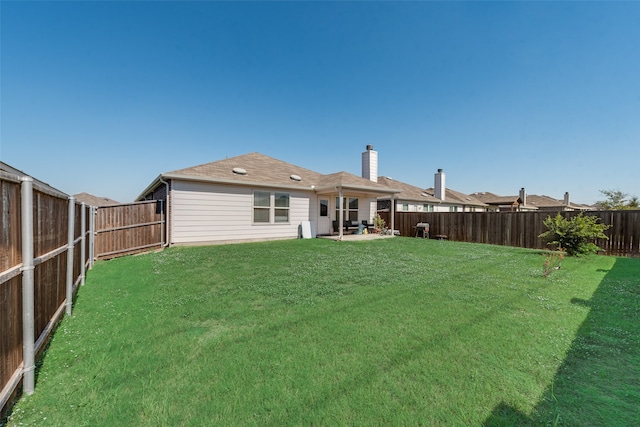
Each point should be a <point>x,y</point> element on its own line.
<point>154,184</point>
<point>358,189</point>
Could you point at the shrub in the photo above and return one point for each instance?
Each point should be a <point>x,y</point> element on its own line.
<point>378,222</point>
<point>552,261</point>
<point>576,235</point>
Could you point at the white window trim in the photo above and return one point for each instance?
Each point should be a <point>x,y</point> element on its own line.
<point>272,208</point>
<point>346,208</point>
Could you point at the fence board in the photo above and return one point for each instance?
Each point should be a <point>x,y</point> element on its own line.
<point>10,237</point>
<point>519,229</point>
<point>11,326</point>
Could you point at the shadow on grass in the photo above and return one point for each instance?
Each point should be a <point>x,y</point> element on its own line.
<point>599,380</point>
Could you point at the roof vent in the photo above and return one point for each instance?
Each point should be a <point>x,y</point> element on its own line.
<point>424,194</point>
<point>296,177</point>
<point>239,171</point>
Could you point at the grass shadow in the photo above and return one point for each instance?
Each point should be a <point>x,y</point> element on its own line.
<point>599,381</point>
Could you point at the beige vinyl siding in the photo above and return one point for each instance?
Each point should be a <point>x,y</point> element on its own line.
<point>212,213</point>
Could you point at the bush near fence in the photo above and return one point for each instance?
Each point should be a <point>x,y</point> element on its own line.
<point>519,229</point>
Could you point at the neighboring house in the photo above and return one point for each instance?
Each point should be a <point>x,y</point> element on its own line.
<point>546,203</point>
<point>256,197</point>
<point>497,203</point>
<point>434,199</point>
<point>91,200</point>
<point>43,185</point>
<point>528,202</point>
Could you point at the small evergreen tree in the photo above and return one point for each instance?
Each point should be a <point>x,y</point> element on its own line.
<point>576,235</point>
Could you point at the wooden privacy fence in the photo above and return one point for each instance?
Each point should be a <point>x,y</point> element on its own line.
<point>43,257</point>
<point>48,240</point>
<point>520,229</point>
<point>129,228</point>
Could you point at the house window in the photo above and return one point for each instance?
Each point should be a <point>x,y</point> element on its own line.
<point>281,207</point>
<point>350,208</point>
<point>324,208</point>
<point>405,207</point>
<point>261,206</point>
<point>427,208</point>
<point>453,209</point>
<point>270,207</point>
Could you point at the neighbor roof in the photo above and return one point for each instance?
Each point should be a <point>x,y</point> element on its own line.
<point>409,192</point>
<point>494,199</point>
<point>458,197</point>
<point>43,186</point>
<point>91,200</point>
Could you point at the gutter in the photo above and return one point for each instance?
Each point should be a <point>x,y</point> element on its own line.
<point>235,182</point>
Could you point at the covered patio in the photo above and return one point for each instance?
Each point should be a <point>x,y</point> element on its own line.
<point>343,198</point>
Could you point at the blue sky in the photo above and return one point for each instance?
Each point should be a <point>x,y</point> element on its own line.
<point>104,96</point>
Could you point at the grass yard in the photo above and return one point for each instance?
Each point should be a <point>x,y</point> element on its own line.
<point>314,332</point>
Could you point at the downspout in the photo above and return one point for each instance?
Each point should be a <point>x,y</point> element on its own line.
<point>166,211</point>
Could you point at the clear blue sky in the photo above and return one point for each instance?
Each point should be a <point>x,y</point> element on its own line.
<point>104,96</point>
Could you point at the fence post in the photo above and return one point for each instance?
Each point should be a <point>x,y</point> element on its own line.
<point>92,235</point>
<point>162,223</point>
<point>28,304</point>
<point>71,237</point>
<point>83,233</point>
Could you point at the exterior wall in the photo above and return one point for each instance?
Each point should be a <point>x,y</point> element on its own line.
<point>366,209</point>
<point>415,207</point>
<point>203,213</point>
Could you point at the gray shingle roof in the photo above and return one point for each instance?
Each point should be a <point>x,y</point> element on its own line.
<point>409,192</point>
<point>494,199</point>
<point>259,169</point>
<point>453,196</point>
<point>91,200</point>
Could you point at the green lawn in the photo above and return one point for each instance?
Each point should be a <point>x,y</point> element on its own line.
<point>315,332</point>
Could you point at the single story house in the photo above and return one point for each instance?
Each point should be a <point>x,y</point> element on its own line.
<point>497,203</point>
<point>524,202</point>
<point>91,200</point>
<point>435,199</point>
<point>257,197</point>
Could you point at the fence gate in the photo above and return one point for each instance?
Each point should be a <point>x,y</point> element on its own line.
<point>129,228</point>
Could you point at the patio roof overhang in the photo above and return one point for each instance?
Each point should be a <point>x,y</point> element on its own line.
<point>359,189</point>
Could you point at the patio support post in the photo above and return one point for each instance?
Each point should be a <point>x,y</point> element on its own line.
<point>71,238</point>
<point>28,302</point>
<point>341,212</point>
<point>393,214</point>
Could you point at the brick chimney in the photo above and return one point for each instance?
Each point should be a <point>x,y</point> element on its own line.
<point>370,164</point>
<point>439,187</point>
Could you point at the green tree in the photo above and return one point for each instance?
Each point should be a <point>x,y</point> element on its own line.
<point>617,200</point>
<point>576,236</point>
